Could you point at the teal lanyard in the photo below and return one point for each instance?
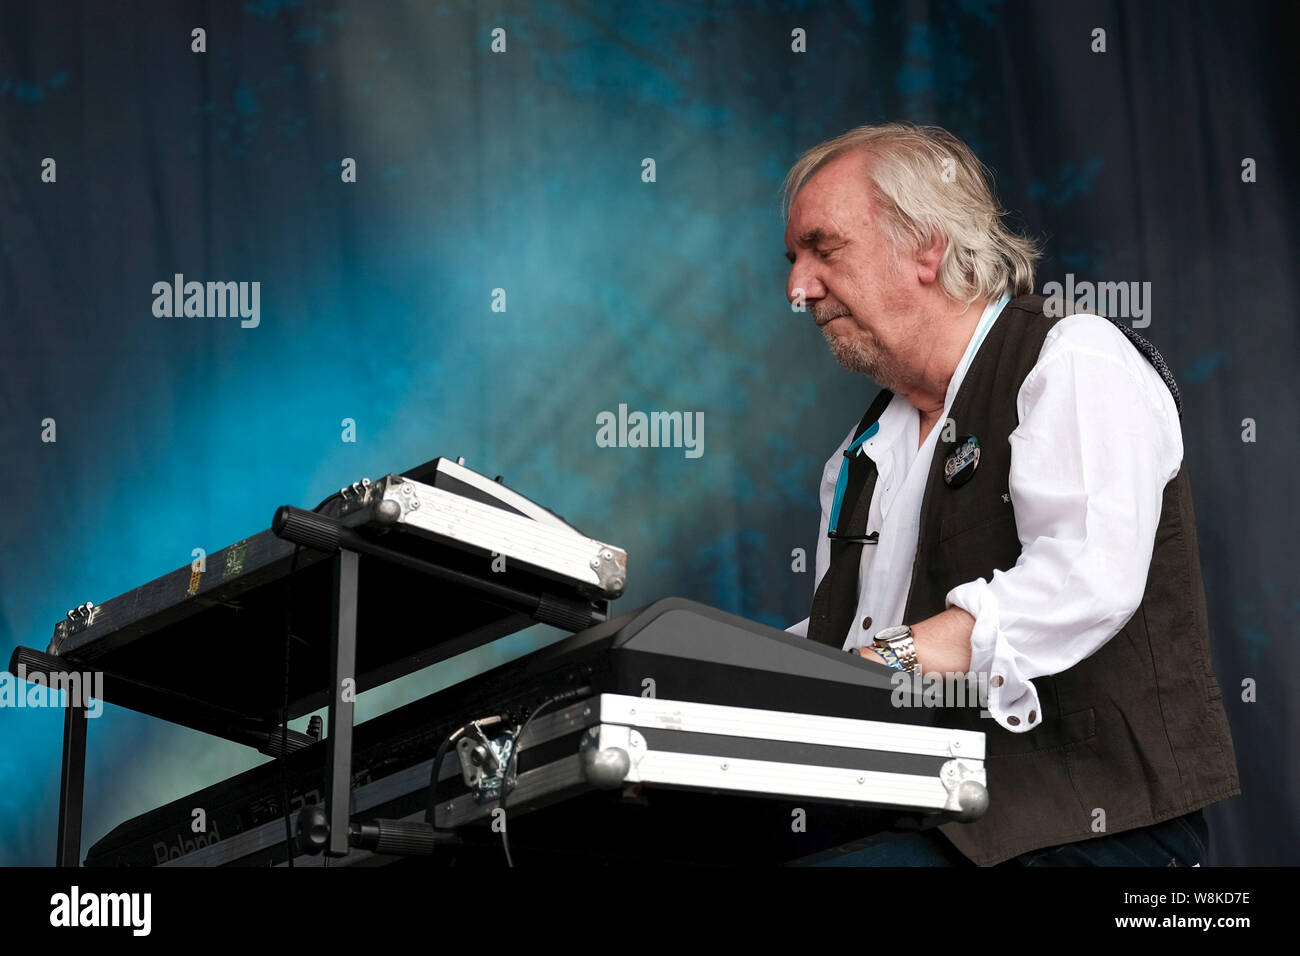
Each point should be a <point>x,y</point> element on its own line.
<point>843,481</point>
<point>855,449</point>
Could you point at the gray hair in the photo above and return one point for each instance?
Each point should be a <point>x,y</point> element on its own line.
<point>925,181</point>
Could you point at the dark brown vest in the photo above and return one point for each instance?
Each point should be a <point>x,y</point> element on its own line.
<point>1138,729</point>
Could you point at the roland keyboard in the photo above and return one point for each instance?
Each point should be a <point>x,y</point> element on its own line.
<point>747,727</point>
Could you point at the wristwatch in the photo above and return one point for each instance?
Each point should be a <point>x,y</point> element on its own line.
<point>894,644</point>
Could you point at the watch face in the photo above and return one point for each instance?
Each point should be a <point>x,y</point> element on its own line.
<point>891,633</point>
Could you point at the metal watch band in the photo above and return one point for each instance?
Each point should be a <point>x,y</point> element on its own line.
<point>896,647</point>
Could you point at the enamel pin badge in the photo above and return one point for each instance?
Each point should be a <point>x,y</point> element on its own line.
<point>961,464</point>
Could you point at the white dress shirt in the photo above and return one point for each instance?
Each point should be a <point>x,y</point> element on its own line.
<point>1097,441</point>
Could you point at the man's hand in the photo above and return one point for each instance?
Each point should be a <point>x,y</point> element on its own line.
<point>868,653</point>
<point>942,643</point>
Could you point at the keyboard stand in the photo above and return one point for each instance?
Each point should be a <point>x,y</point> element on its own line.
<point>518,607</point>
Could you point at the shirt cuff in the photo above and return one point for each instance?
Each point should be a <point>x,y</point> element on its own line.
<point>1012,698</point>
<point>800,629</point>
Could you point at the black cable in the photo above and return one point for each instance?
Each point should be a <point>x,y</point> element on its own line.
<point>430,813</point>
<point>514,759</point>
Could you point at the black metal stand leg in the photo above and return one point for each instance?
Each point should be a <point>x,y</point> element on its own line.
<point>72,784</point>
<point>343,640</point>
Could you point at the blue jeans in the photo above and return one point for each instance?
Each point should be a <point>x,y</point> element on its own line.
<point>1181,841</point>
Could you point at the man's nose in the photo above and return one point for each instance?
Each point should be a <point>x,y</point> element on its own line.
<point>803,280</point>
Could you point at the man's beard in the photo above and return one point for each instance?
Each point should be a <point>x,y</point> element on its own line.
<point>860,351</point>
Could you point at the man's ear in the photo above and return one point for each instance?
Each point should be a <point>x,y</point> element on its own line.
<point>928,258</point>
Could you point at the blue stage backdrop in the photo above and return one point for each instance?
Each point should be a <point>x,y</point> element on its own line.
<point>468,228</point>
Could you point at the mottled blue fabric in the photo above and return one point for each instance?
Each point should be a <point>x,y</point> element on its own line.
<point>521,179</point>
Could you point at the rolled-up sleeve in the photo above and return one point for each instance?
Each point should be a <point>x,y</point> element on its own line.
<point>1097,441</point>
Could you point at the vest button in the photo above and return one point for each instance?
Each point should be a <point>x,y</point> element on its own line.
<point>866,623</point>
<point>1013,720</point>
<point>996,681</point>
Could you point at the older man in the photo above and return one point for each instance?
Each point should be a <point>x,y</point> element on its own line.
<point>1012,505</point>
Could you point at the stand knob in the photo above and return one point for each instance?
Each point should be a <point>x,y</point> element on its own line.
<point>313,829</point>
